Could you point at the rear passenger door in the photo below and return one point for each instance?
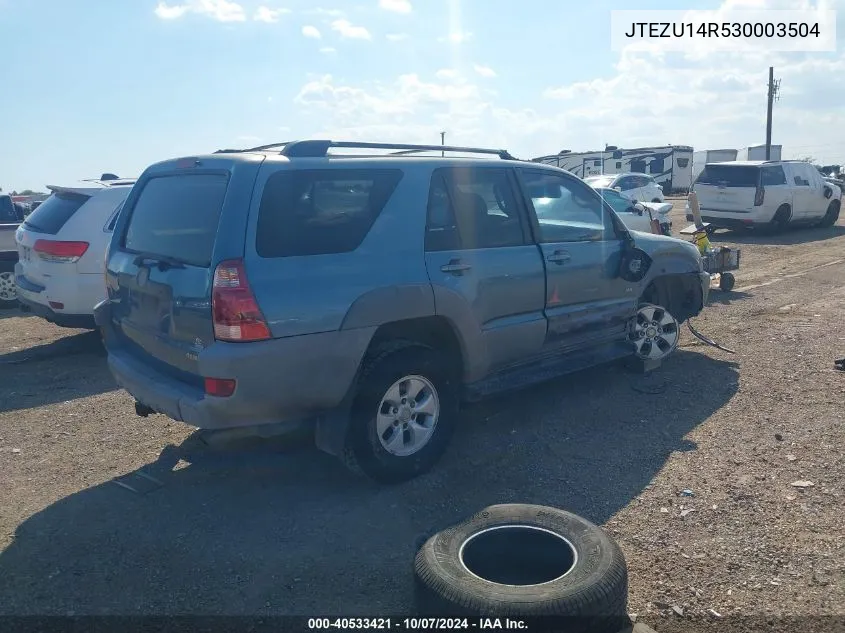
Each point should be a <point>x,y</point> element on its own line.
<point>587,303</point>
<point>486,273</point>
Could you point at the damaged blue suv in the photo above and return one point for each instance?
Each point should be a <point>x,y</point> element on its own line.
<point>372,288</point>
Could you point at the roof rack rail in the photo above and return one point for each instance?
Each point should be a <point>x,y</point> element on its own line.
<point>320,148</point>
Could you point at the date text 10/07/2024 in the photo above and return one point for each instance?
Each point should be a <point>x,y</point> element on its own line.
<point>417,624</point>
<point>723,29</point>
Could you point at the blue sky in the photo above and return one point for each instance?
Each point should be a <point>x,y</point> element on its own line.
<point>96,85</point>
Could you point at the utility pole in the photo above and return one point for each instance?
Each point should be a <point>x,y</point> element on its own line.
<point>774,87</point>
<point>443,142</point>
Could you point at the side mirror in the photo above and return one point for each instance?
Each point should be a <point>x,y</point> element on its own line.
<point>617,188</point>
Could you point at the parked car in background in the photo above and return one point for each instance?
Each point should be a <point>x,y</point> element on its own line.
<point>774,194</point>
<point>640,187</point>
<point>372,294</point>
<point>10,220</point>
<point>61,246</point>
<point>637,216</point>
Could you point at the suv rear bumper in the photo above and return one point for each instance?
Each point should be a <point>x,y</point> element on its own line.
<point>278,381</point>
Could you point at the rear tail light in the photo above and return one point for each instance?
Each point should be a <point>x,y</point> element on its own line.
<point>235,312</point>
<point>759,196</point>
<point>220,387</point>
<point>60,252</point>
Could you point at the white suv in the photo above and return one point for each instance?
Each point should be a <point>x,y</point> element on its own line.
<point>777,194</point>
<point>639,187</point>
<point>61,251</point>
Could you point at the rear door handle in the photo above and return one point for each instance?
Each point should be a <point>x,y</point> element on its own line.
<point>456,267</point>
<point>559,257</point>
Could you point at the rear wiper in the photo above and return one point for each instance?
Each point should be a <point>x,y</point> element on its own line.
<point>162,263</point>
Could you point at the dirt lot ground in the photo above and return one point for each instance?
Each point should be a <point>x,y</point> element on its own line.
<point>278,528</point>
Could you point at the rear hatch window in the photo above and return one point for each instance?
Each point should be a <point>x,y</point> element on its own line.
<point>53,213</point>
<point>729,176</point>
<point>176,218</point>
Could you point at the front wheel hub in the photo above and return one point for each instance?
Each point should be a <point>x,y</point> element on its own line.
<point>654,332</point>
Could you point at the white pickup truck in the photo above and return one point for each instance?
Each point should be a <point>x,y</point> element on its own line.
<point>10,220</point>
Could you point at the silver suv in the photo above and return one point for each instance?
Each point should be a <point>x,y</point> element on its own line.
<point>373,294</point>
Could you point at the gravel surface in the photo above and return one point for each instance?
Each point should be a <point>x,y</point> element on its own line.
<point>275,527</point>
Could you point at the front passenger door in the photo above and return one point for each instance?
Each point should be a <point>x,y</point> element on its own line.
<point>587,303</point>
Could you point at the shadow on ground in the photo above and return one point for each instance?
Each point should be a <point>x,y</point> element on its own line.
<point>721,297</point>
<point>68,368</point>
<point>258,530</point>
<point>797,235</point>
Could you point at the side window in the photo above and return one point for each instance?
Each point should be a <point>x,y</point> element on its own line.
<point>113,220</point>
<point>618,164</point>
<point>471,208</point>
<point>773,176</point>
<point>619,203</point>
<point>567,210</point>
<point>626,183</point>
<point>800,178</point>
<point>441,232</point>
<point>656,166</point>
<point>638,166</point>
<point>321,211</point>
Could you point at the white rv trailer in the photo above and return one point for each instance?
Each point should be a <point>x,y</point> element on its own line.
<point>700,159</point>
<point>758,152</point>
<point>669,165</point>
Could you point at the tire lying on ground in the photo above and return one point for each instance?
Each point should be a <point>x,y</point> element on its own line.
<point>523,560</point>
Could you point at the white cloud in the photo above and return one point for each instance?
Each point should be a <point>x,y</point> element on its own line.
<point>706,100</point>
<point>311,31</point>
<point>220,10</point>
<point>266,14</point>
<point>484,71</point>
<point>166,12</point>
<point>349,30</point>
<point>397,37</point>
<point>328,50</point>
<point>397,6</point>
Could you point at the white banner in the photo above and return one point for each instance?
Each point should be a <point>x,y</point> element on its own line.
<point>729,30</point>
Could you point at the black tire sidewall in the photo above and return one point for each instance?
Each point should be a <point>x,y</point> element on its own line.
<point>727,282</point>
<point>596,586</point>
<point>376,379</point>
<point>832,214</point>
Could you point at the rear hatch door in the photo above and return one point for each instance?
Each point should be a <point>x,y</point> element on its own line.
<point>727,188</point>
<point>45,224</point>
<point>161,261</point>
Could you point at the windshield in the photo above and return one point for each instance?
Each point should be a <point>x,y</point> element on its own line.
<point>600,181</point>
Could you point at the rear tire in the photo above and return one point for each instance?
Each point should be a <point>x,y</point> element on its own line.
<point>781,219</point>
<point>726,282</point>
<point>404,414</point>
<point>8,292</point>
<point>831,216</point>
